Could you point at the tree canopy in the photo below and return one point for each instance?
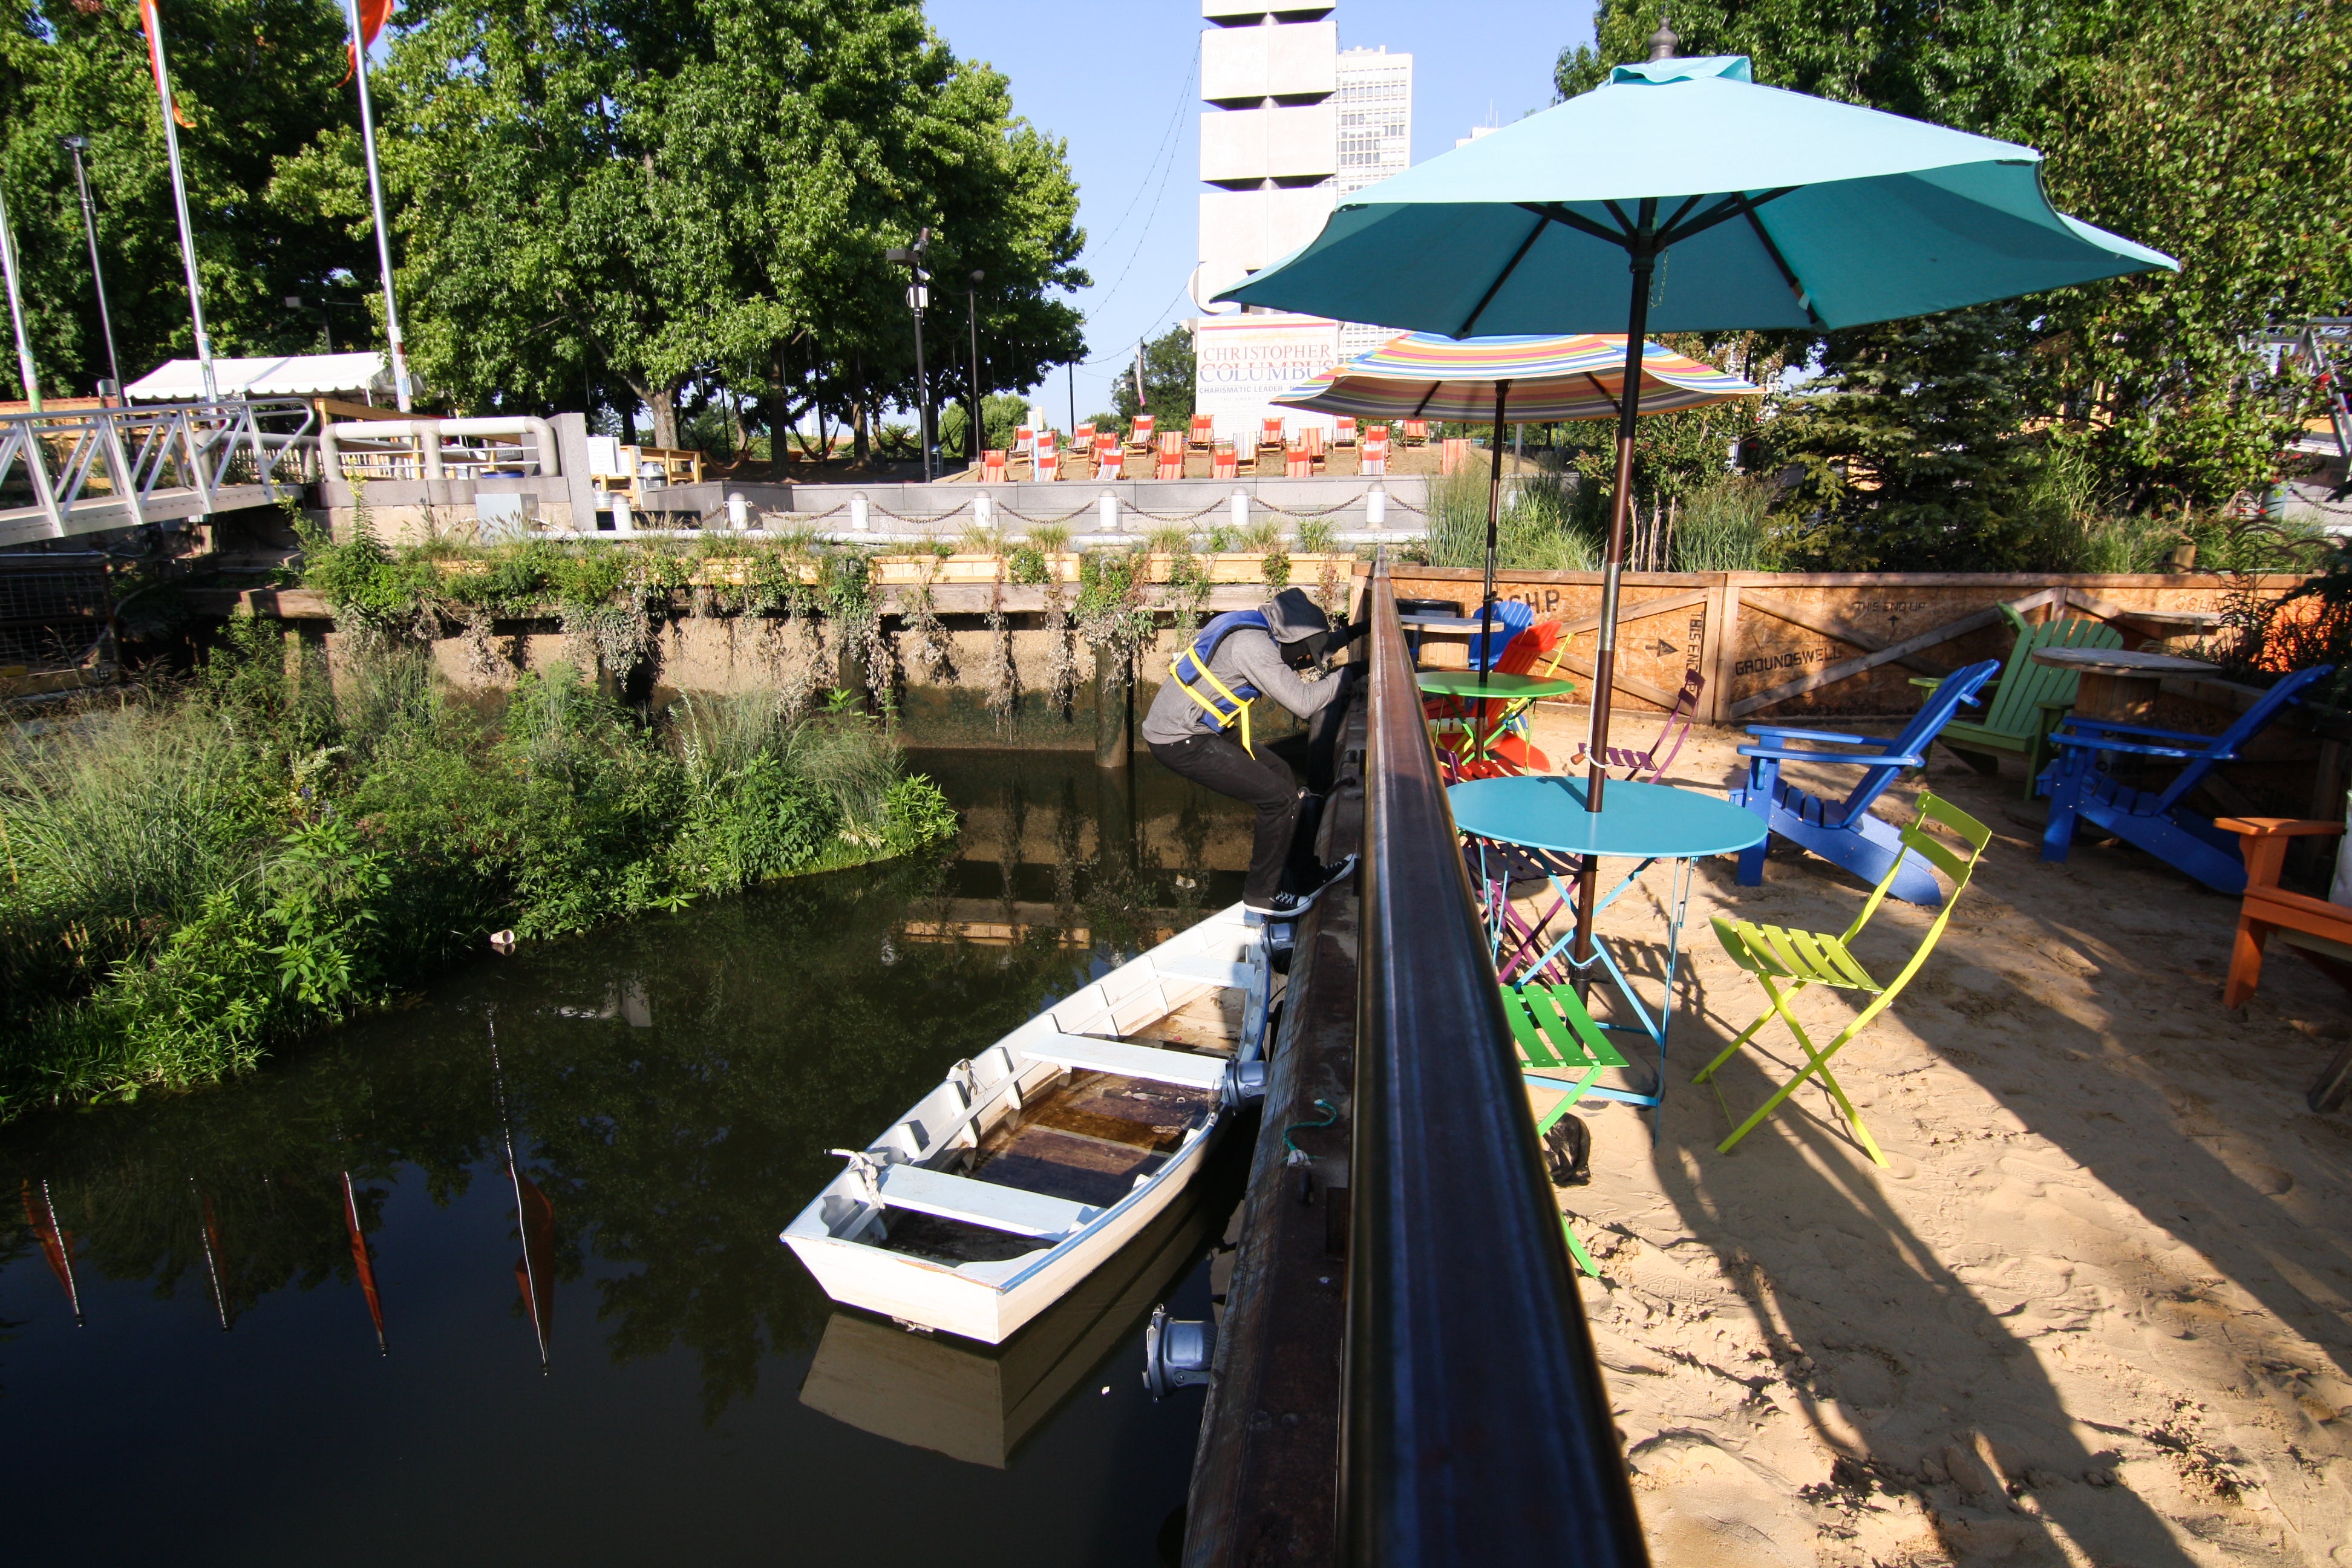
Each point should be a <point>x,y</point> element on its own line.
<point>2200,127</point>
<point>615,203</point>
<point>1167,382</point>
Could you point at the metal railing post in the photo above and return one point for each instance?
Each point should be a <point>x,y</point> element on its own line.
<point>1478,1428</point>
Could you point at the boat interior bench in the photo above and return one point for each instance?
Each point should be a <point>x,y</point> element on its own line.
<point>1222,972</point>
<point>984,1204</point>
<point>1088,1054</point>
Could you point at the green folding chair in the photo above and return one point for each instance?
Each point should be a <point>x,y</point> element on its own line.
<point>1776,956</point>
<point>1561,1047</point>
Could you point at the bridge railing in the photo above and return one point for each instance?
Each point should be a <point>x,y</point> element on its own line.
<point>1478,1429</point>
<point>85,469</point>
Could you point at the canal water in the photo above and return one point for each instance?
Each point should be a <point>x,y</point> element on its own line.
<point>494,1278</point>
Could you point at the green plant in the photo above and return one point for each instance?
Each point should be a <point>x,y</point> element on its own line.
<point>1722,527</point>
<point>1168,539</point>
<point>1536,530</point>
<point>1261,535</point>
<point>1316,536</point>
<point>1051,537</point>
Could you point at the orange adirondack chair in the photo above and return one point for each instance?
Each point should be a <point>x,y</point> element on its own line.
<point>1539,650</point>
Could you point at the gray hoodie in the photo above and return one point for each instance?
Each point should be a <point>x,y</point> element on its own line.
<point>1245,655</point>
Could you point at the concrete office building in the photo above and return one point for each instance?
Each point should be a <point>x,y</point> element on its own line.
<point>1294,123</point>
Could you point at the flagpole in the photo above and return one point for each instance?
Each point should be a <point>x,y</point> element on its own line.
<point>400,385</point>
<point>151,11</point>
<point>16,311</point>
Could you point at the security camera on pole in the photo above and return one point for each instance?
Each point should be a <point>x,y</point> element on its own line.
<point>916,257</point>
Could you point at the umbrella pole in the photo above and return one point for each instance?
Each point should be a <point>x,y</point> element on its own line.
<point>1486,601</point>
<point>1604,660</point>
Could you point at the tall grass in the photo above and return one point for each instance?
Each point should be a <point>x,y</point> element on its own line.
<point>1721,528</point>
<point>1536,530</point>
<point>192,880</point>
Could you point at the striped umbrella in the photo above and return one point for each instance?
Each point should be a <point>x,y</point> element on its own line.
<point>1421,375</point>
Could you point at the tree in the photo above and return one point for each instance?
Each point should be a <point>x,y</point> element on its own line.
<point>1167,382</point>
<point>643,196</point>
<point>2201,127</point>
<point>256,79</point>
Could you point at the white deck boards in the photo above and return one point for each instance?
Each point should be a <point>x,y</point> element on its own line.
<point>1088,1054</point>
<point>984,1204</point>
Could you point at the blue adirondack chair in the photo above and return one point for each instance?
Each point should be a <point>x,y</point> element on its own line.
<point>2080,785</point>
<point>1844,833</point>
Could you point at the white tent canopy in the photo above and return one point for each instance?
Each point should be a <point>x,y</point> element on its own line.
<point>277,375</point>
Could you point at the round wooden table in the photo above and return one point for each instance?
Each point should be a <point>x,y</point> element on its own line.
<point>2120,684</point>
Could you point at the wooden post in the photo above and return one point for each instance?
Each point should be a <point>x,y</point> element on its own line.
<point>1717,709</point>
<point>1114,698</point>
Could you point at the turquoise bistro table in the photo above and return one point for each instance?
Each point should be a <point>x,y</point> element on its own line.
<point>1538,824</point>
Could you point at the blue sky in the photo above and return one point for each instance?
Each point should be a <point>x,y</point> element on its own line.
<point>1118,85</point>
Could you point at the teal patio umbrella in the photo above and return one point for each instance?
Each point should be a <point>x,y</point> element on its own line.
<point>1732,205</point>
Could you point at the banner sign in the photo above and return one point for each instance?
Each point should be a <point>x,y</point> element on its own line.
<point>1243,363</point>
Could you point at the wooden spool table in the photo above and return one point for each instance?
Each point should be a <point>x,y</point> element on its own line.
<point>2120,684</point>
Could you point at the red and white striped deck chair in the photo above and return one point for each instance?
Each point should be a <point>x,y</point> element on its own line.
<point>1172,455</point>
<point>1272,433</point>
<point>1345,435</point>
<point>1453,454</point>
<point>991,468</point>
<point>1374,458</point>
<point>1049,460</point>
<point>1297,463</point>
<point>1106,448</point>
<point>1140,438</point>
<point>1204,432</point>
<point>1111,463</point>
<point>1083,438</point>
<point>1223,464</point>
<point>1024,440</point>
<point>1416,432</point>
<point>1313,434</point>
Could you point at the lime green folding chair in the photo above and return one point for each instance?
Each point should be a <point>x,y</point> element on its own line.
<point>1561,1047</point>
<point>1775,955</point>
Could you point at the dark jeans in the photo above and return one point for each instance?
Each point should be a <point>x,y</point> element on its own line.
<point>1217,761</point>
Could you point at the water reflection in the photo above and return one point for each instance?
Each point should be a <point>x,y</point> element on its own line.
<point>502,1268</point>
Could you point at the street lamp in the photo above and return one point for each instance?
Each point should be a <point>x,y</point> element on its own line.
<point>971,309</point>
<point>78,144</point>
<point>915,259</point>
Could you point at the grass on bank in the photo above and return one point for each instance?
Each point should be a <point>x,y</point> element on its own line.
<point>194,877</point>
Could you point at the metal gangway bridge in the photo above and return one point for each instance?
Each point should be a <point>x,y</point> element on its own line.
<point>86,470</point>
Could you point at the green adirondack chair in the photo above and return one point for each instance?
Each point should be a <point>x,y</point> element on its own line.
<point>1800,958</point>
<point>2029,700</point>
<point>1560,1047</point>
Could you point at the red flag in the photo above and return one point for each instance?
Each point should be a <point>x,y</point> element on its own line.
<point>535,1269</point>
<point>57,1243</point>
<point>366,1264</point>
<point>373,14</point>
<point>148,21</point>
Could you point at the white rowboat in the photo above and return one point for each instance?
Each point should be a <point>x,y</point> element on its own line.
<point>1041,1156</point>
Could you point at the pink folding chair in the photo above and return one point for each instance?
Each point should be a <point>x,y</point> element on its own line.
<point>1677,730</point>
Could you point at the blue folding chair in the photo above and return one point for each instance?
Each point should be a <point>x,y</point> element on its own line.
<point>1845,834</point>
<point>2080,784</point>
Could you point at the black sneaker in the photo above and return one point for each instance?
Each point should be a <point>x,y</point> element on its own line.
<point>1291,906</point>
